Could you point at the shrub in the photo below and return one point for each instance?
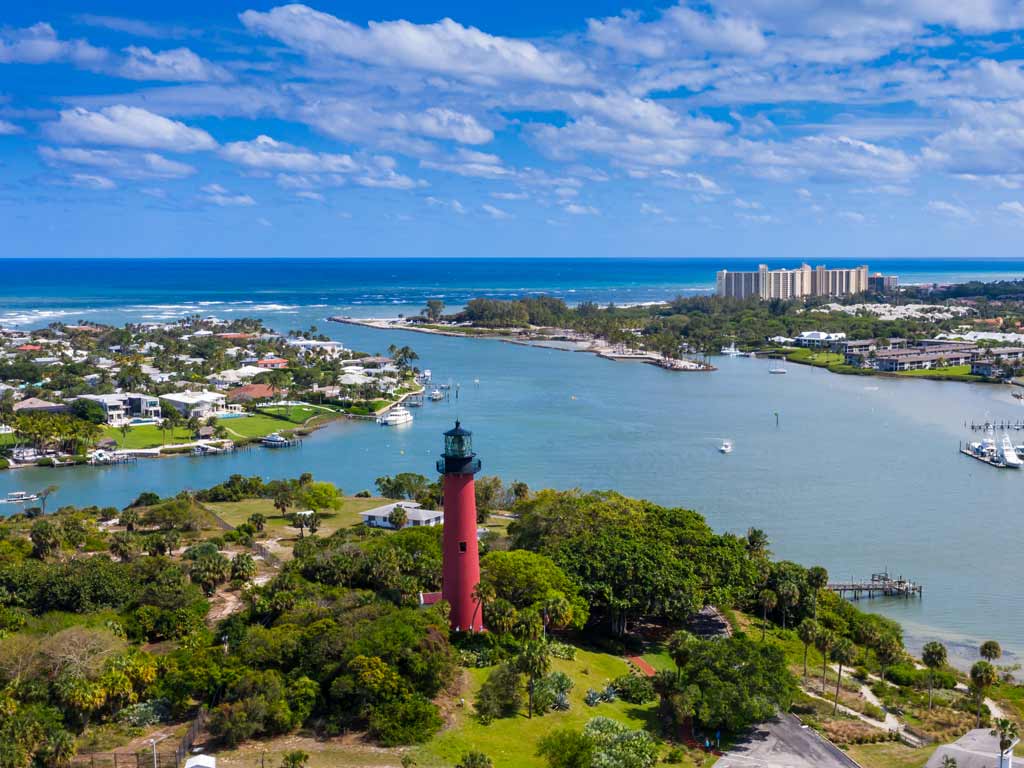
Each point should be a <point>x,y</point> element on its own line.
<point>408,721</point>
<point>146,713</point>
<point>592,698</point>
<point>46,461</point>
<point>501,695</point>
<point>4,463</point>
<point>562,651</point>
<point>634,689</point>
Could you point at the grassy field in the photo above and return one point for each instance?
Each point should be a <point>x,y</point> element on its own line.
<point>949,373</point>
<point>816,358</point>
<point>237,512</point>
<point>890,755</point>
<point>147,436</point>
<point>509,742</point>
<point>297,414</point>
<point>257,425</point>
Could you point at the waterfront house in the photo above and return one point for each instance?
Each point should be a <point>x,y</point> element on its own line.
<point>123,408</point>
<point>272,363</point>
<point>253,392</point>
<point>988,368</point>
<point>923,360</point>
<point>817,339</point>
<point>199,404</point>
<point>379,517</point>
<point>234,376</point>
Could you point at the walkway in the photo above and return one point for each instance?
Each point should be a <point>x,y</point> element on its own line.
<point>642,666</point>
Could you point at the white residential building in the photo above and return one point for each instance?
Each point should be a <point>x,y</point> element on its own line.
<point>123,408</point>
<point>199,404</point>
<point>313,346</point>
<point>415,515</point>
<point>235,376</point>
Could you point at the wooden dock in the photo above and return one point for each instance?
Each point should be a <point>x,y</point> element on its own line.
<point>880,585</point>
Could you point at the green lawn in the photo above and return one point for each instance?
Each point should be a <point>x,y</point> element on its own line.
<point>816,358</point>
<point>512,742</point>
<point>257,425</point>
<point>890,755</point>
<point>237,512</point>
<point>952,372</point>
<point>297,414</point>
<point>148,436</point>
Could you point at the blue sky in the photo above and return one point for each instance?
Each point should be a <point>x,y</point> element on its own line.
<point>796,129</point>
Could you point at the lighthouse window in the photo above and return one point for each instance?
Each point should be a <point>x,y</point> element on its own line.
<point>462,546</point>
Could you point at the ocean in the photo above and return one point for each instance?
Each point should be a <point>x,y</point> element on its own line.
<point>860,475</point>
<point>39,291</point>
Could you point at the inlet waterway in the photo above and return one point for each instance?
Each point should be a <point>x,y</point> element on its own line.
<point>860,474</point>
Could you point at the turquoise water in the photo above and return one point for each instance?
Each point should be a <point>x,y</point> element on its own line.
<point>860,475</point>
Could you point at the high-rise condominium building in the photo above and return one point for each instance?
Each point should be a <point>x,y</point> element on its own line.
<point>792,283</point>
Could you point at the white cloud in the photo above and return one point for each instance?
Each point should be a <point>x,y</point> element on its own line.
<point>950,210</point>
<point>9,129</point>
<point>445,47</point>
<point>92,181</point>
<point>177,65</point>
<point>1013,207</point>
<point>218,195</point>
<point>39,44</point>
<point>129,165</point>
<point>125,126</point>
<point>307,194</point>
<point>494,212</point>
<point>265,153</point>
<point>853,216</point>
<point>509,195</point>
<point>679,29</point>
<point>580,210</point>
<point>354,119</point>
<point>468,162</point>
<point>651,209</point>
<point>739,202</point>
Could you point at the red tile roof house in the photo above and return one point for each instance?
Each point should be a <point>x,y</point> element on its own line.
<point>251,392</point>
<point>235,336</point>
<point>272,362</point>
<point>28,348</point>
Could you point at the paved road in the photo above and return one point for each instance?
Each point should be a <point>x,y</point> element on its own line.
<point>784,743</point>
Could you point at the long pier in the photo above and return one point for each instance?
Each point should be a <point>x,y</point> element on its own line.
<point>880,585</point>
<point>993,425</point>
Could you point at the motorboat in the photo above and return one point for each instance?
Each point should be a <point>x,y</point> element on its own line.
<point>396,416</point>
<point>426,374</point>
<point>725,447</point>
<point>1008,454</point>
<point>19,497</point>
<point>731,350</point>
<point>436,394</point>
<point>777,370</point>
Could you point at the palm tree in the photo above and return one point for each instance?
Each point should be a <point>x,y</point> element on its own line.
<point>768,601</point>
<point>888,651</point>
<point>533,661</point>
<point>789,595</point>
<point>934,656</point>
<point>1008,734</point>
<point>258,520</point>
<point>283,499</point>
<point>124,546</point>
<point>817,580</point>
<point>757,543</point>
<point>843,653</point>
<point>680,646</point>
<point>990,651</point>
<point>823,641</point>
<point>483,595</point>
<point>983,677</point>
<point>807,631</point>
<point>45,494</point>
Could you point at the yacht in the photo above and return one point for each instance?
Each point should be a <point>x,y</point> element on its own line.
<point>1008,454</point>
<point>426,374</point>
<point>436,394</point>
<point>731,350</point>
<point>725,447</point>
<point>778,369</point>
<point>394,417</point>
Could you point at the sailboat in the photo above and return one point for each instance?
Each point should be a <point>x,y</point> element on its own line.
<point>780,368</point>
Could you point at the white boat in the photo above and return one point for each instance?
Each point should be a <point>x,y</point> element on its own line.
<point>777,370</point>
<point>396,416</point>
<point>731,350</point>
<point>436,394</point>
<point>1008,455</point>
<point>426,374</point>
<point>19,497</point>
<point>725,447</point>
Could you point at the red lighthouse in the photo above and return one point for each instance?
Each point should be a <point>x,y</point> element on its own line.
<point>461,570</point>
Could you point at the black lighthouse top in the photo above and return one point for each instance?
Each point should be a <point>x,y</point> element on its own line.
<point>458,457</point>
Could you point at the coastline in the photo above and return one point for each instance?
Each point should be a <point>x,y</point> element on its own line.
<point>533,338</point>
